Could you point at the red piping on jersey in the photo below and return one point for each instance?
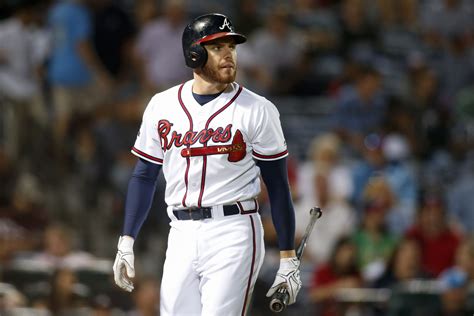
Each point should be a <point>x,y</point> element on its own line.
<point>188,162</point>
<point>249,282</point>
<point>145,155</point>
<point>204,165</point>
<point>269,156</point>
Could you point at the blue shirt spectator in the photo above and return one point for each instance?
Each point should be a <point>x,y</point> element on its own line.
<point>70,23</point>
<point>360,108</point>
<point>460,198</point>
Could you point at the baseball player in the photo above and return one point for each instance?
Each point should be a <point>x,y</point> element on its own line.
<point>213,139</point>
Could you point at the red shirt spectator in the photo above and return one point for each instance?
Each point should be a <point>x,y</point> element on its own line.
<point>437,240</point>
<point>340,272</point>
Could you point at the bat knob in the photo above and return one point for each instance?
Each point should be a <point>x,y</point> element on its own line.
<point>316,211</point>
<point>276,306</point>
<point>279,300</point>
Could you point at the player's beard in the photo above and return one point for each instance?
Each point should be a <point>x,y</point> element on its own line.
<point>212,74</point>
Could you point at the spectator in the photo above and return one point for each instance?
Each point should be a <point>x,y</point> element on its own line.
<point>437,240</point>
<point>374,243</point>
<point>113,38</point>
<point>23,49</point>
<point>162,64</point>
<point>248,18</point>
<point>326,182</point>
<point>272,51</point>
<point>338,273</point>
<point>113,136</point>
<point>360,108</point>
<point>78,79</point>
<point>399,23</point>
<point>58,251</point>
<point>66,295</point>
<point>454,291</point>
<point>400,175</point>
<point>456,69</point>
<point>459,197</point>
<point>146,298</point>
<point>27,208</point>
<point>431,118</point>
<point>357,30</point>
<point>404,265</point>
<point>373,162</point>
<point>446,17</point>
<point>101,305</point>
<point>23,220</point>
<point>388,156</point>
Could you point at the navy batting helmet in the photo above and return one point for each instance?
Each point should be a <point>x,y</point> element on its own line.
<point>203,29</point>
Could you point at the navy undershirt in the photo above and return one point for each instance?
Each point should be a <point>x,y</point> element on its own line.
<point>205,98</point>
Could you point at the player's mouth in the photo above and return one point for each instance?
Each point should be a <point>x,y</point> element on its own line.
<point>228,65</point>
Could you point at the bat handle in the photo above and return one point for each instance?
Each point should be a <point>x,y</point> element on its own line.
<point>279,300</point>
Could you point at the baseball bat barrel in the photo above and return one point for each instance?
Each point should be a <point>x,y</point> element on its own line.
<point>280,298</point>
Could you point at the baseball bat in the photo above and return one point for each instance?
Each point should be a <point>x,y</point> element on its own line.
<point>280,298</point>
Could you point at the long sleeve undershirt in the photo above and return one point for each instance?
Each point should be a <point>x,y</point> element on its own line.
<point>141,190</point>
<point>275,176</point>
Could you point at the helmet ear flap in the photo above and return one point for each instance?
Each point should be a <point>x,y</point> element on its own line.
<point>197,56</point>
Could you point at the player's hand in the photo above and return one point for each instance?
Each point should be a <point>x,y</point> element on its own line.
<point>288,276</point>
<point>124,269</point>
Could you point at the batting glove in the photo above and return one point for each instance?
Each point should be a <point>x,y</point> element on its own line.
<point>124,269</point>
<point>287,276</point>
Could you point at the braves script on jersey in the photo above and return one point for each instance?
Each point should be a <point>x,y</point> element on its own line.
<point>210,147</point>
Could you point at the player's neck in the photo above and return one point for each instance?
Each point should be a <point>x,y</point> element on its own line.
<point>203,87</point>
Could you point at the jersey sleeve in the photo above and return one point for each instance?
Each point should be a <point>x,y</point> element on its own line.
<point>268,141</point>
<point>147,145</point>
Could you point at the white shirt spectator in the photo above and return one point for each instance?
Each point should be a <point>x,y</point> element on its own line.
<point>159,45</point>
<point>22,49</point>
<point>338,216</point>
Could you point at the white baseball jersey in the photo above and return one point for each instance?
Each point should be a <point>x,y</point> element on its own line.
<point>207,151</point>
<point>207,155</point>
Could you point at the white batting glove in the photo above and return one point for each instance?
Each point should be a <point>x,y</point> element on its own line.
<point>288,276</point>
<point>124,269</point>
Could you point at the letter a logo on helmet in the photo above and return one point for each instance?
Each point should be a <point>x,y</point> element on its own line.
<point>226,24</point>
<point>202,29</point>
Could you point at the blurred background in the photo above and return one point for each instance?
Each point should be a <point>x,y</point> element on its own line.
<point>377,104</point>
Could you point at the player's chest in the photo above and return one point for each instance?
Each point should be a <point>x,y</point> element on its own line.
<point>200,126</point>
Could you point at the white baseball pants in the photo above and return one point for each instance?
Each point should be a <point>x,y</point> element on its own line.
<point>211,266</point>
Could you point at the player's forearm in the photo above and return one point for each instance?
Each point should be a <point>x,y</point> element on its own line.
<point>141,190</point>
<point>275,176</point>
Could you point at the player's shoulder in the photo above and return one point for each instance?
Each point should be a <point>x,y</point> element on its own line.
<point>254,99</point>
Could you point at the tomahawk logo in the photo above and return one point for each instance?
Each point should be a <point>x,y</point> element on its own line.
<point>225,24</point>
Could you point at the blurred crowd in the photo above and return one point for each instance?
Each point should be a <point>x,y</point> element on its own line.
<point>391,165</point>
